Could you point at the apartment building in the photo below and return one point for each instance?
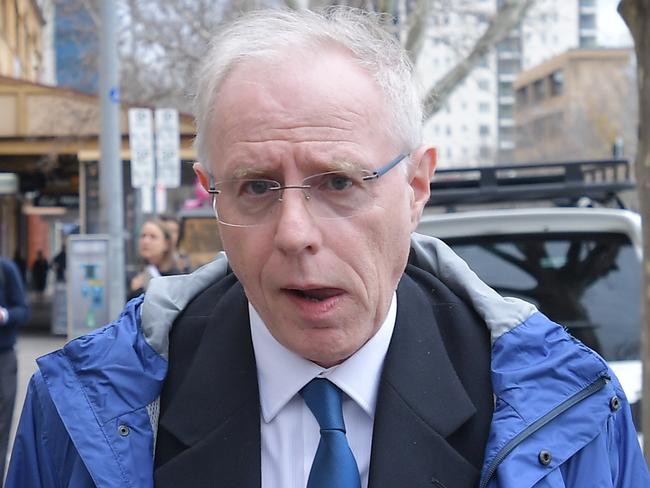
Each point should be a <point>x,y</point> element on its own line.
<point>22,32</point>
<point>579,105</point>
<point>476,126</point>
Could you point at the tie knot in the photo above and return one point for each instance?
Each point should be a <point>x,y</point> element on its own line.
<point>324,400</point>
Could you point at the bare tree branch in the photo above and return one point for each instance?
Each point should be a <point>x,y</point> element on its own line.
<point>506,19</point>
<point>417,33</point>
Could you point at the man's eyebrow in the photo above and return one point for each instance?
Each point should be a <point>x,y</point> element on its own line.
<point>250,172</point>
<point>339,164</point>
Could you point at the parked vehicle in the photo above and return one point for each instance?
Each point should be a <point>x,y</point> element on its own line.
<point>581,266</point>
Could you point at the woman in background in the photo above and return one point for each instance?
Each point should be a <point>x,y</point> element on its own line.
<point>181,260</point>
<point>157,251</point>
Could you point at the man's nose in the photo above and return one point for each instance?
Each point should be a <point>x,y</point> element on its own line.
<point>296,229</point>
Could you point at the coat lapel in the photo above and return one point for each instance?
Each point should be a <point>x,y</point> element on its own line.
<point>421,403</point>
<point>211,423</point>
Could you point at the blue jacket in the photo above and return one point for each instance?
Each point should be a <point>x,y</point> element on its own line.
<point>14,299</point>
<point>561,418</point>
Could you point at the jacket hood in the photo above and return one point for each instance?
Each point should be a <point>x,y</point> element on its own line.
<point>167,296</point>
<point>114,376</point>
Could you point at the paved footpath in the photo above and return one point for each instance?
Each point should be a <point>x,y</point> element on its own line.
<point>31,344</point>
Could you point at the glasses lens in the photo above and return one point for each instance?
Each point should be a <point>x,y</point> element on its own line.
<point>339,194</point>
<point>244,202</point>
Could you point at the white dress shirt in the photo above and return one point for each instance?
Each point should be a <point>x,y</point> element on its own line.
<point>289,431</point>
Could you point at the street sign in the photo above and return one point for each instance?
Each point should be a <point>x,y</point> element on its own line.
<point>141,145</point>
<point>167,148</point>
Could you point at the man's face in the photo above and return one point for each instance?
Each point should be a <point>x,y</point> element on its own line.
<point>322,287</point>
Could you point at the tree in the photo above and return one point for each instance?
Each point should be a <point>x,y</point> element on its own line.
<point>164,40</point>
<point>636,14</point>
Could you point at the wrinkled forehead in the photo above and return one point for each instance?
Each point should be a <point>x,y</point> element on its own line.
<point>301,100</point>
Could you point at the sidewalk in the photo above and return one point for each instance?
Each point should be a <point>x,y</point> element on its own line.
<point>34,340</point>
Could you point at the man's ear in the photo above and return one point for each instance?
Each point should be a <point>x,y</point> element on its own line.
<point>423,165</point>
<point>202,175</point>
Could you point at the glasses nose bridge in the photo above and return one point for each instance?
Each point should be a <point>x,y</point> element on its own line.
<point>303,187</point>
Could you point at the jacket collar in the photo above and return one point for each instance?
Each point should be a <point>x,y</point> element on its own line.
<point>220,390</point>
<point>421,403</point>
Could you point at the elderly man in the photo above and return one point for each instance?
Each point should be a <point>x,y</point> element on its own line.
<point>330,346</point>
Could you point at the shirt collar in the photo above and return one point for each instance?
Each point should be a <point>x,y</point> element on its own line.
<point>281,373</point>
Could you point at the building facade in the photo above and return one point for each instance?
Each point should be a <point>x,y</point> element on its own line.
<point>476,126</point>
<point>579,105</point>
<point>21,40</point>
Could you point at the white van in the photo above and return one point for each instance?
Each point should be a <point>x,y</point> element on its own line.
<point>580,266</point>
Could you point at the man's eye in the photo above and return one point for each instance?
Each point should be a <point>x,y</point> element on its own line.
<point>338,182</point>
<point>256,187</point>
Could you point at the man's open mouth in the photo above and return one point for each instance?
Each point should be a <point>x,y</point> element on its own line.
<point>315,294</point>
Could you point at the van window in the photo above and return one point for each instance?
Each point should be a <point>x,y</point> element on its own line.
<point>590,283</point>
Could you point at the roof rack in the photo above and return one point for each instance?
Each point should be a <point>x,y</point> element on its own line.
<point>601,181</point>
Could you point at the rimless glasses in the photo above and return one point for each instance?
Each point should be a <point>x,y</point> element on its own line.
<point>243,202</point>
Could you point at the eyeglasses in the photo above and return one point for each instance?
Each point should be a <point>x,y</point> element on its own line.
<point>332,195</point>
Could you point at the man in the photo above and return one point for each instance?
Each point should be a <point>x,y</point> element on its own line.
<point>331,348</point>
<point>59,264</point>
<point>40,268</point>
<point>14,311</point>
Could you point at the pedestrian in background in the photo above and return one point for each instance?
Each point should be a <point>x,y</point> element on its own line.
<point>14,311</point>
<point>59,264</point>
<point>40,267</point>
<point>156,249</point>
<point>20,262</point>
<point>181,260</point>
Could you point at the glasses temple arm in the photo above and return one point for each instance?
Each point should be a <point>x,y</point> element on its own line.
<point>385,169</point>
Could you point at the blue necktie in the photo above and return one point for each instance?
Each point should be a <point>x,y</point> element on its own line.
<point>334,465</point>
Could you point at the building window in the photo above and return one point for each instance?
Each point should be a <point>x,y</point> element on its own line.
<point>556,82</point>
<point>508,66</point>
<point>508,45</point>
<point>448,153</point>
<point>538,90</point>
<point>484,85</point>
<point>505,89</point>
<point>484,130</point>
<point>448,130</point>
<point>587,3</point>
<point>588,41</point>
<point>506,133</point>
<point>483,107</point>
<point>484,152</point>
<point>522,95</point>
<point>587,21</point>
<point>505,111</point>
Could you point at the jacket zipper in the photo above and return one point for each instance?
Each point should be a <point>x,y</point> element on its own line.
<point>596,386</point>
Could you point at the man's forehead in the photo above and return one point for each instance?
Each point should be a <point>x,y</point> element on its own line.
<point>301,78</point>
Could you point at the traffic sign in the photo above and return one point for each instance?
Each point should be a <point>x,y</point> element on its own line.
<point>141,145</point>
<point>168,161</point>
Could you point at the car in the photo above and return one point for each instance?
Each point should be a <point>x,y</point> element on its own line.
<point>579,263</point>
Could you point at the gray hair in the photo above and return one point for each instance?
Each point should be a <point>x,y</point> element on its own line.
<point>269,34</point>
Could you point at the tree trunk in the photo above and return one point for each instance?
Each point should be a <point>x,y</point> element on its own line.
<point>636,14</point>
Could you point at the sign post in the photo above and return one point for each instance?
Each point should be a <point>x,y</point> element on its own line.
<point>154,175</point>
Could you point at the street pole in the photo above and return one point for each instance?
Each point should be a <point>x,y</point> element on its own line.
<point>110,167</point>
